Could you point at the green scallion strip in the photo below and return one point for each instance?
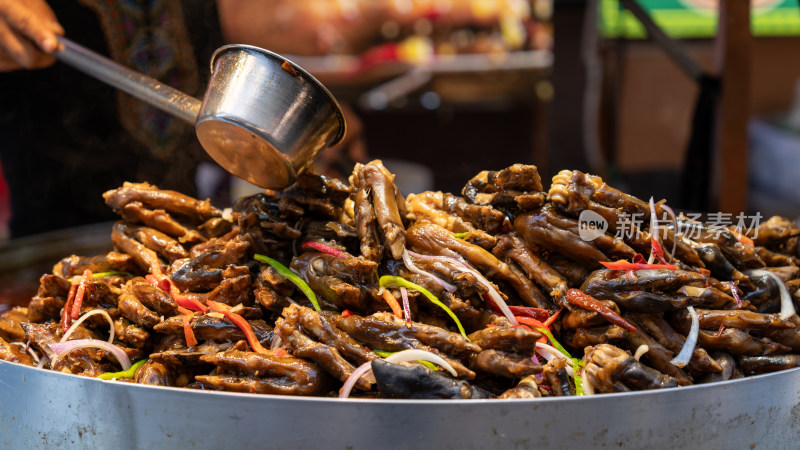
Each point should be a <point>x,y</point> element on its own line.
<point>385,354</point>
<point>130,373</point>
<point>555,343</point>
<point>393,281</point>
<point>461,235</point>
<point>291,276</point>
<point>576,374</point>
<point>103,275</point>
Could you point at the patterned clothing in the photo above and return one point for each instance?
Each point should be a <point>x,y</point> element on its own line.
<point>149,37</point>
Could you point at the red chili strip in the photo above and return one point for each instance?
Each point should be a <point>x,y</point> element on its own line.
<point>491,304</point>
<point>392,302</point>
<point>721,329</point>
<point>163,283</point>
<point>534,323</point>
<point>347,313</point>
<point>66,316</point>
<point>529,311</point>
<point>530,321</point>
<point>553,318</point>
<point>319,246</point>
<point>183,300</point>
<point>625,265</point>
<point>585,301</point>
<point>79,294</point>
<point>191,340</point>
<point>657,250</point>
<point>189,302</point>
<point>240,322</point>
<point>744,240</point>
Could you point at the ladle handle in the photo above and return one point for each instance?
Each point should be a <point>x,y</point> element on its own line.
<point>134,83</point>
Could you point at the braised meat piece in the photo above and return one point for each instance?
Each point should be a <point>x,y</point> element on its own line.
<point>431,239</point>
<point>347,283</point>
<point>505,364</point>
<point>203,271</point>
<point>110,262</point>
<point>611,369</point>
<point>515,188</point>
<point>15,352</point>
<point>155,198</point>
<point>11,323</point>
<point>264,374</point>
<point>513,339</point>
<point>513,251</point>
<point>454,213</point>
<point>379,211</point>
<point>526,388</point>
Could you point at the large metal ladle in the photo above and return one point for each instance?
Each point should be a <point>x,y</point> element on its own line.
<point>263,118</point>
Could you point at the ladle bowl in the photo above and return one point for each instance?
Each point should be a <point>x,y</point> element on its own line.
<point>263,118</point>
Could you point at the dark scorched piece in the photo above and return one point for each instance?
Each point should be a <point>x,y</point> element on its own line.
<point>417,381</point>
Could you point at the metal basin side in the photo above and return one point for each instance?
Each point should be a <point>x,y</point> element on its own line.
<point>43,409</point>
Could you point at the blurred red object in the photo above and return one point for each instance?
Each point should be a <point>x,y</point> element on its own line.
<point>5,207</point>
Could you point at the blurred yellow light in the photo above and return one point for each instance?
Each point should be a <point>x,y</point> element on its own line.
<point>416,50</point>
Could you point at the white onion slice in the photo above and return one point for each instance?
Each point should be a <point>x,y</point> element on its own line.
<point>644,348</point>
<point>62,348</point>
<point>412,267</point>
<point>787,306</point>
<point>414,354</point>
<point>406,305</point>
<point>653,229</point>
<point>735,294</point>
<point>674,226</point>
<point>588,389</point>
<point>32,353</point>
<point>549,352</point>
<point>498,299</point>
<point>347,387</point>
<point>85,316</point>
<point>691,341</point>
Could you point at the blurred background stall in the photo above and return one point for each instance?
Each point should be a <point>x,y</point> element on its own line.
<point>439,90</point>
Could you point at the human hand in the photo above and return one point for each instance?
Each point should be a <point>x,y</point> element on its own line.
<point>28,30</point>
